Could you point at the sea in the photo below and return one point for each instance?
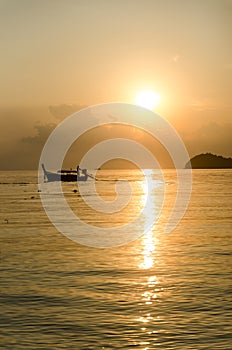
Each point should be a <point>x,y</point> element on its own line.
<point>158,291</point>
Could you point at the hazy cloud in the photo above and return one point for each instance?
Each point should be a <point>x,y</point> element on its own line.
<point>61,112</point>
<point>24,153</point>
<point>42,133</point>
<point>213,137</point>
<point>24,131</point>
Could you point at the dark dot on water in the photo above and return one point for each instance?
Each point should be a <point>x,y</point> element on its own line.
<point>32,197</point>
<point>75,191</point>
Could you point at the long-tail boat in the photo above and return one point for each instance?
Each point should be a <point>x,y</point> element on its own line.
<point>66,175</point>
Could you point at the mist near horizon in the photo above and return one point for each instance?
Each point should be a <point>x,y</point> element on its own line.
<point>22,144</point>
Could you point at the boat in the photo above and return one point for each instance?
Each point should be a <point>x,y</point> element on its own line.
<point>66,175</point>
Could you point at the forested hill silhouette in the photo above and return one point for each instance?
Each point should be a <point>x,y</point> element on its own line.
<point>209,161</point>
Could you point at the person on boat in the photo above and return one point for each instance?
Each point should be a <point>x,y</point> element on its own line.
<point>84,172</point>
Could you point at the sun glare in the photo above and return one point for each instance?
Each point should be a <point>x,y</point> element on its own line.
<point>148,99</point>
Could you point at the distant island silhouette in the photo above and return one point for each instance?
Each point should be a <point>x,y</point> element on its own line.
<point>209,161</point>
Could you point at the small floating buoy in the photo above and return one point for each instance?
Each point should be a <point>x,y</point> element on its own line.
<point>75,191</point>
<point>32,197</point>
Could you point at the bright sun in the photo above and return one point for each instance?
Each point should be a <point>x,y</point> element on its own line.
<point>148,99</point>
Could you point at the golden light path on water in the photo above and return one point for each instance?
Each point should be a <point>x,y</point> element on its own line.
<point>148,253</point>
<point>151,212</point>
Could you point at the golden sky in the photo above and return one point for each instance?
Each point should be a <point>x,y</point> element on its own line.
<point>83,52</point>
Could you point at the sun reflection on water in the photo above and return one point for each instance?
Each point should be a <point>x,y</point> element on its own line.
<point>149,247</point>
<point>150,285</point>
<point>151,213</point>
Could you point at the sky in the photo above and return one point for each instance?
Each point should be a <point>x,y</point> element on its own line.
<point>58,56</point>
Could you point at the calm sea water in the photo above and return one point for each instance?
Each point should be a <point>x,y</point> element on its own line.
<point>158,292</point>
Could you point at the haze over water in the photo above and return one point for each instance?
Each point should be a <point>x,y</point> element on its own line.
<point>158,292</point>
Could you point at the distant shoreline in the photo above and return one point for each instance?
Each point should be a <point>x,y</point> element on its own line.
<point>200,161</point>
<point>209,161</point>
